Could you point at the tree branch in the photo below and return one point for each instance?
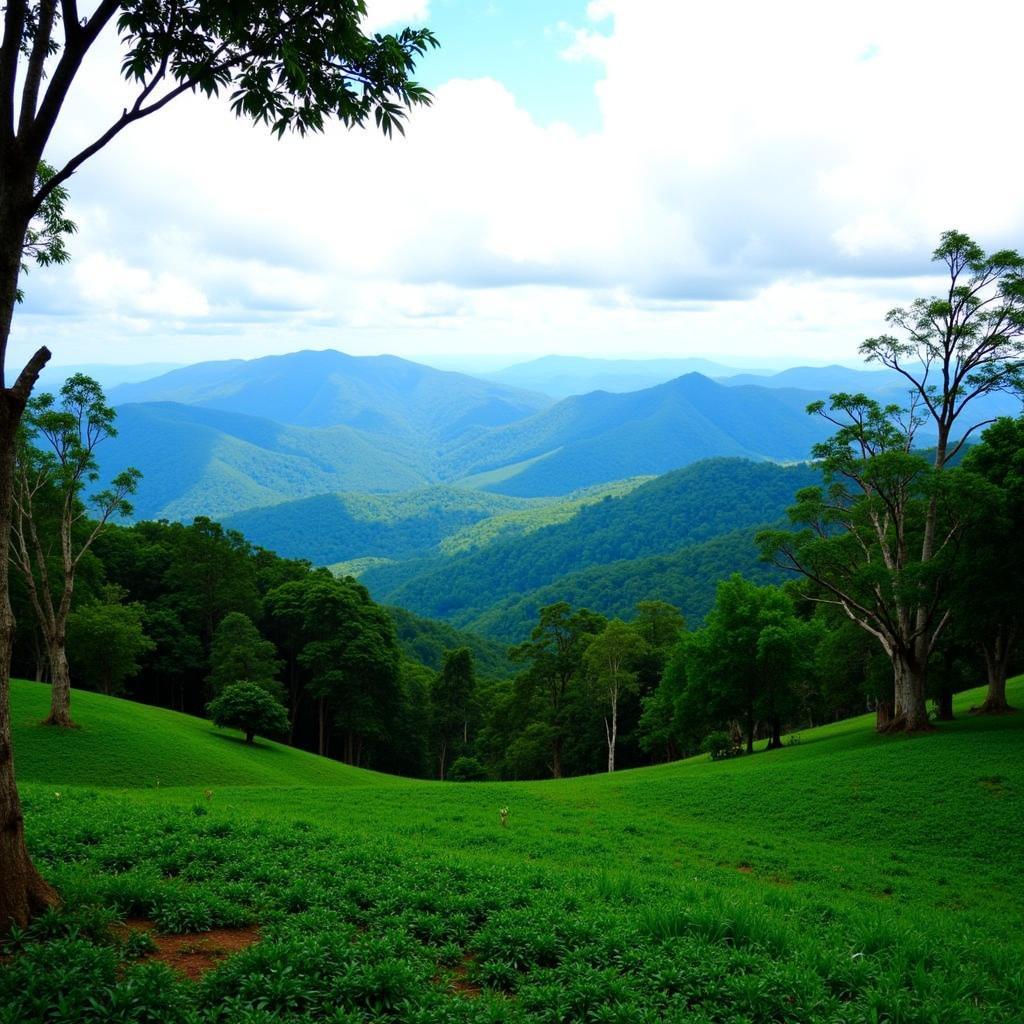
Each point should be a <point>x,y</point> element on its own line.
<point>36,64</point>
<point>27,378</point>
<point>14,27</point>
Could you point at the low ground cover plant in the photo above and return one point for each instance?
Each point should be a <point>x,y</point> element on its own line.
<point>757,889</point>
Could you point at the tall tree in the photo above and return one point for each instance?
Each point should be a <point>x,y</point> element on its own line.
<point>106,639</point>
<point>292,66</point>
<point>211,574</point>
<point>451,697</point>
<point>554,656</point>
<point>862,542</point>
<point>351,661</point>
<point>988,604</point>
<point>239,652</point>
<point>55,463</point>
<point>610,661</point>
<point>952,349</point>
<point>743,664</point>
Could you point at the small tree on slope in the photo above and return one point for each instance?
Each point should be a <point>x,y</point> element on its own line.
<point>249,707</point>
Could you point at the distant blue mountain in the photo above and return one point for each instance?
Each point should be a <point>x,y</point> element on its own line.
<point>562,376</point>
<point>381,395</point>
<point>598,437</point>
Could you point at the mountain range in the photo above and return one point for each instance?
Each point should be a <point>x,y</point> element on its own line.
<point>222,438</point>
<point>562,376</point>
<point>232,437</point>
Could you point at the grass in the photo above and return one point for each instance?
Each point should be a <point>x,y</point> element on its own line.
<point>132,746</point>
<point>849,878</point>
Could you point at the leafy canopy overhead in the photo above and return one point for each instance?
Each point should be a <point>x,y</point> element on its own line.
<point>292,66</point>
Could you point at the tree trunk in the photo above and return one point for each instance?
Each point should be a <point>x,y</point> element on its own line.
<point>249,734</point>
<point>911,709</point>
<point>60,689</point>
<point>612,733</point>
<point>441,757</point>
<point>884,714</point>
<point>997,656</point>
<point>320,731</point>
<point>944,705</point>
<point>775,742</point>
<point>23,892</point>
<point>556,757</point>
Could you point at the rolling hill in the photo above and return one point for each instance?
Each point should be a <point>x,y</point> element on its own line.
<point>780,886</point>
<point>333,528</point>
<point>562,376</point>
<point>886,386</point>
<point>680,509</point>
<point>198,461</point>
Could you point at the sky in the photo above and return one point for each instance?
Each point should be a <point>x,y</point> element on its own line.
<point>754,183</point>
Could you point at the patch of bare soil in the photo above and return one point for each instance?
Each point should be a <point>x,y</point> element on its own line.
<point>457,979</point>
<point>197,953</point>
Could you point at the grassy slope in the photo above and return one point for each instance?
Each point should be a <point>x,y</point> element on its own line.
<point>841,787</point>
<point>133,746</point>
<point>850,877</point>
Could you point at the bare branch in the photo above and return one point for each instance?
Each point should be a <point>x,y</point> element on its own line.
<point>27,378</point>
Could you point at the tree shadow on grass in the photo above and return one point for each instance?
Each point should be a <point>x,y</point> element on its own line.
<point>256,744</point>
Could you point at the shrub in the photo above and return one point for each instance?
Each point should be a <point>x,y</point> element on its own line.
<point>719,745</point>
<point>466,769</point>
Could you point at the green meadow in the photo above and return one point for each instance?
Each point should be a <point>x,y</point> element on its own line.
<point>848,877</point>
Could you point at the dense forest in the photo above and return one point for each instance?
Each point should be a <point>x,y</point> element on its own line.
<point>600,671</point>
<point>678,510</point>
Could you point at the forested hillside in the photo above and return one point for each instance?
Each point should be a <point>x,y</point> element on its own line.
<point>685,578</point>
<point>676,510</point>
<point>332,528</point>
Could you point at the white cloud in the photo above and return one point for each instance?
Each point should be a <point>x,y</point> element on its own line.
<point>753,178</point>
<point>389,14</point>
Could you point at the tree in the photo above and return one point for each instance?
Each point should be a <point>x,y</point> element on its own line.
<point>863,540</point>
<point>610,659</point>
<point>450,703</point>
<point>249,707</point>
<point>954,349</point>
<point>106,641</point>
<point>292,66</point>
<point>554,654</point>
<point>467,769</point>
<point>56,475</point>
<point>987,603</point>
<point>351,660</point>
<point>211,574</point>
<point>239,652</point>
<point>743,664</point>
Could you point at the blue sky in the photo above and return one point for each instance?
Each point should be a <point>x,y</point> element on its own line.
<point>758,184</point>
<point>520,44</point>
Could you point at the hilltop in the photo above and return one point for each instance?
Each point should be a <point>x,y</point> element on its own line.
<point>379,395</point>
